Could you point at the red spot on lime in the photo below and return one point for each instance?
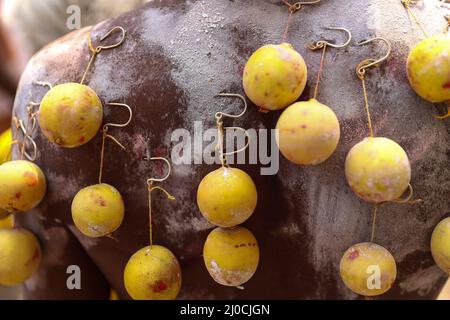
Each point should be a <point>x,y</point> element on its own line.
<point>101,202</point>
<point>31,178</point>
<point>353,255</point>
<point>82,139</point>
<point>159,286</point>
<point>446,85</point>
<point>18,195</point>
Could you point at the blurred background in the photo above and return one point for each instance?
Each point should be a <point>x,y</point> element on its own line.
<point>28,25</point>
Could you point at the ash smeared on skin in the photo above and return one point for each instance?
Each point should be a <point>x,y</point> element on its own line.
<point>88,243</point>
<point>56,238</point>
<point>203,50</point>
<point>171,216</point>
<point>67,187</point>
<point>382,13</point>
<point>224,276</point>
<point>422,281</point>
<point>336,218</point>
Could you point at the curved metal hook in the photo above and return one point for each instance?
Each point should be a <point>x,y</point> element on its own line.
<point>220,115</point>
<point>322,43</point>
<point>120,125</point>
<point>122,39</point>
<point>247,135</point>
<point>361,68</point>
<point>150,180</point>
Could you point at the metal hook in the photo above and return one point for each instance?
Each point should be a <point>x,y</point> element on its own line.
<point>100,48</point>
<point>120,125</point>
<point>220,115</point>
<point>19,125</point>
<point>32,115</point>
<point>298,5</point>
<point>33,143</point>
<point>43,84</point>
<point>151,180</point>
<point>361,68</point>
<point>247,135</point>
<point>322,43</point>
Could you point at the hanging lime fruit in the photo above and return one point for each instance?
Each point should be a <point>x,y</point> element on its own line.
<point>22,186</point>
<point>378,170</point>
<point>20,255</point>
<point>275,76</point>
<point>440,245</point>
<point>153,273</point>
<point>231,255</point>
<point>368,269</point>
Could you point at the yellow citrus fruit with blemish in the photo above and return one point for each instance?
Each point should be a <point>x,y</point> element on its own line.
<point>5,146</point>
<point>22,186</point>
<point>428,68</point>
<point>227,197</point>
<point>70,114</point>
<point>368,269</point>
<point>378,170</point>
<point>231,255</point>
<point>98,210</point>
<point>308,132</point>
<point>440,245</point>
<point>20,255</point>
<point>153,273</point>
<point>275,76</point>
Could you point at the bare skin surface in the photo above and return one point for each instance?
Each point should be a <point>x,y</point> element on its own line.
<point>177,56</point>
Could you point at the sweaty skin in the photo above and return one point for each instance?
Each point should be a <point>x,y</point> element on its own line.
<point>305,218</point>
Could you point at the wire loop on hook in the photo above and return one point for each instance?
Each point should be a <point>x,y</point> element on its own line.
<point>106,135</point>
<point>322,43</point>
<point>221,135</point>
<point>120,125</point>
<point>100,48</point>
<point>152,188</point>
<point>368,63</point>
<point>18,123</point>
<point>298,5</point>
<point>150,180</point>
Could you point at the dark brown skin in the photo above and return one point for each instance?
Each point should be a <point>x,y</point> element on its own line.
<point>306,217</point>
